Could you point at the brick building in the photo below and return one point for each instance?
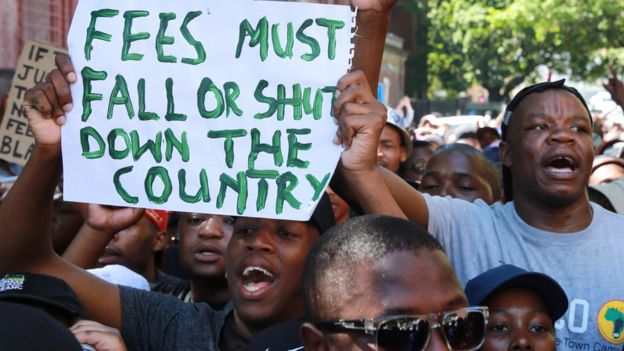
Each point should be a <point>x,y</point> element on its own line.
<point>46,21</point>
<point>392,75</point>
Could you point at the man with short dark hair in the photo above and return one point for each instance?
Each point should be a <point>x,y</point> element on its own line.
<point>547,226</point>
<point>385,281</point>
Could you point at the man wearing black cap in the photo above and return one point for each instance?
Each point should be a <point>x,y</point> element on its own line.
<point>548,224</point>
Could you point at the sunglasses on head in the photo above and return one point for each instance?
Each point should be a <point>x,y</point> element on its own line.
<point>463,329</point>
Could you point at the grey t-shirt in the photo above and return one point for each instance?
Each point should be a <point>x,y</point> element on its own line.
<point>588,264</point>
<point>155,321</point>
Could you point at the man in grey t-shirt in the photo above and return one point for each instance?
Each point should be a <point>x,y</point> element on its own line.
<point>550,226</point>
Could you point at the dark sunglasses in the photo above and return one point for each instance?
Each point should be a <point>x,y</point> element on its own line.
<point>463,329</point>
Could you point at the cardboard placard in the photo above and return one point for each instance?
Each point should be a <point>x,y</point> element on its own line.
<point>16,140</point>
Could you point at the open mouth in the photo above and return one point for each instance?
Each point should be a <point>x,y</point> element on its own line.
<point>561,165</point>
<point>256,280</point>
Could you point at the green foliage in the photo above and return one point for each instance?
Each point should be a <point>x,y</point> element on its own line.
<point>500,43</point>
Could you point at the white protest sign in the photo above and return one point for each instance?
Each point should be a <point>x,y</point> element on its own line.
<point>208,106</point>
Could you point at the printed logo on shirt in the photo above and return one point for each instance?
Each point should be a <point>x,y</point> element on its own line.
<point>611,321</point>
<point>12,282</point>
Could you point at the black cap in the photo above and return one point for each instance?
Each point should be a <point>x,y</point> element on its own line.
<point>511,107</point>
<point>42,291</point>
<point>323,216</point>
<point>480,288</point>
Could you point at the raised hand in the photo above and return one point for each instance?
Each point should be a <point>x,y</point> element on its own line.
<point>615,87</point>
<point>47,103</point>
<point>361,118</point>
<point>112,219</point>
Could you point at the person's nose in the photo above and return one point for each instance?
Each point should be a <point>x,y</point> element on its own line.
<point>211,228</point>
<point>260,240</point>
<point>561,134</point>
<point>379,151</point>
<point>437,342</point>
<point>521,341</point>
<point>446,189</point>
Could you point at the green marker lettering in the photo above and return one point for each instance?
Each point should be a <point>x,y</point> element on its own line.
<point>152,174</point>
<point>144,116</point>
<point>171,115</point>
<point>95,34</point>
<point>263,185</point>
<point>124,99</point>
<point>228,144</point>
<point>290,41</point>
<point>205,86</point>
<point>294,146</point>
<point>286,183</point>
<point>154,146</point>
<point>317,108</point>
<point>331,26</point>
<point>120,189</point>
<point>129,37</point>
<point>239,186</point>
<point>258,35</point>
<point>295,102</point>
<point>181,145</point>
<point>332,90</point>
<point>315,48</point>
<point>318,186</point>
<point>87,153</point>
<point>199,48</point>
<point>257,147</point>
<point>203,193</point>
<point>112,140</point>
<point>89,75</point>
<point>232,92</point>
<point>162,39</point>
<point>259,96</point>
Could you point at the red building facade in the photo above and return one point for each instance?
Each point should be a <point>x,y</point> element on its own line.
<point>46,21</point>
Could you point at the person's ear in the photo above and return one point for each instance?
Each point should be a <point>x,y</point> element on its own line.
<point>313,338</point>
<point>504,153</point>
<point>160,243</point>
<point>403,155</point>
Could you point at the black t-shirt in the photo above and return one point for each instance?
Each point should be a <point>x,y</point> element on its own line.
<point>170,285</point>
<point>281,337</point>
<point>231,338</point>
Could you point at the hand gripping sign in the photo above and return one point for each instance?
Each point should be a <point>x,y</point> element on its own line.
<point>207,106</point>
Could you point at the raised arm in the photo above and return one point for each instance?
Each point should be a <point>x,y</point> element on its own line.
<point>358,179</point>
<point>101,225</point>
<point>361,118</point>
<point>25,214</point>
<point>615,87</point>
<point>370,39</point>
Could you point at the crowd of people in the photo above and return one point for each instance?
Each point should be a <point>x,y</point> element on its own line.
<point>487,242</point>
